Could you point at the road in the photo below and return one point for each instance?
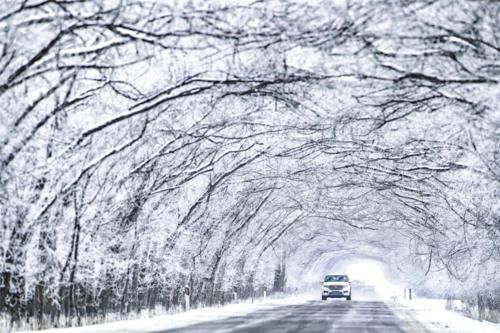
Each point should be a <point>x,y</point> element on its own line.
<point>356,316</point>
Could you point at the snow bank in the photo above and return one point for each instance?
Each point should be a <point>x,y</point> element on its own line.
<point>489,312</point>
<point>433,314</point>
<point>183,319</point>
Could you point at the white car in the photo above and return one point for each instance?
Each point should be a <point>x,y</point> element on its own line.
<point>336,286</point>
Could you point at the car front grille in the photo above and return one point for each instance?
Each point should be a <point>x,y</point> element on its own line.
<point>336,287</point>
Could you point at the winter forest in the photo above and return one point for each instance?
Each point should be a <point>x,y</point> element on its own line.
<point>146,145</point>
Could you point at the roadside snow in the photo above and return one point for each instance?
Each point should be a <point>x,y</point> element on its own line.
<point>183,319</point>
<point>433,314</point>
<point>430,313</point>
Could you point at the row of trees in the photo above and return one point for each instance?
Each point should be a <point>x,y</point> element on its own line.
<point>147,145</point>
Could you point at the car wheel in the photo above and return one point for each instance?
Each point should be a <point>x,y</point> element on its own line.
<point>348,298</point>
<point>323,298</point>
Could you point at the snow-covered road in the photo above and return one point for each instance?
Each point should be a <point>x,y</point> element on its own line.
<point>314,316</point>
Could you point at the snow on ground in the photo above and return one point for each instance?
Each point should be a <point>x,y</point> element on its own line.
<point>429,312</point>
<point>183,319</point>
<point>433,314</point>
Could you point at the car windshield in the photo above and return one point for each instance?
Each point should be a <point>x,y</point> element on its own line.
<point>336,278</point>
